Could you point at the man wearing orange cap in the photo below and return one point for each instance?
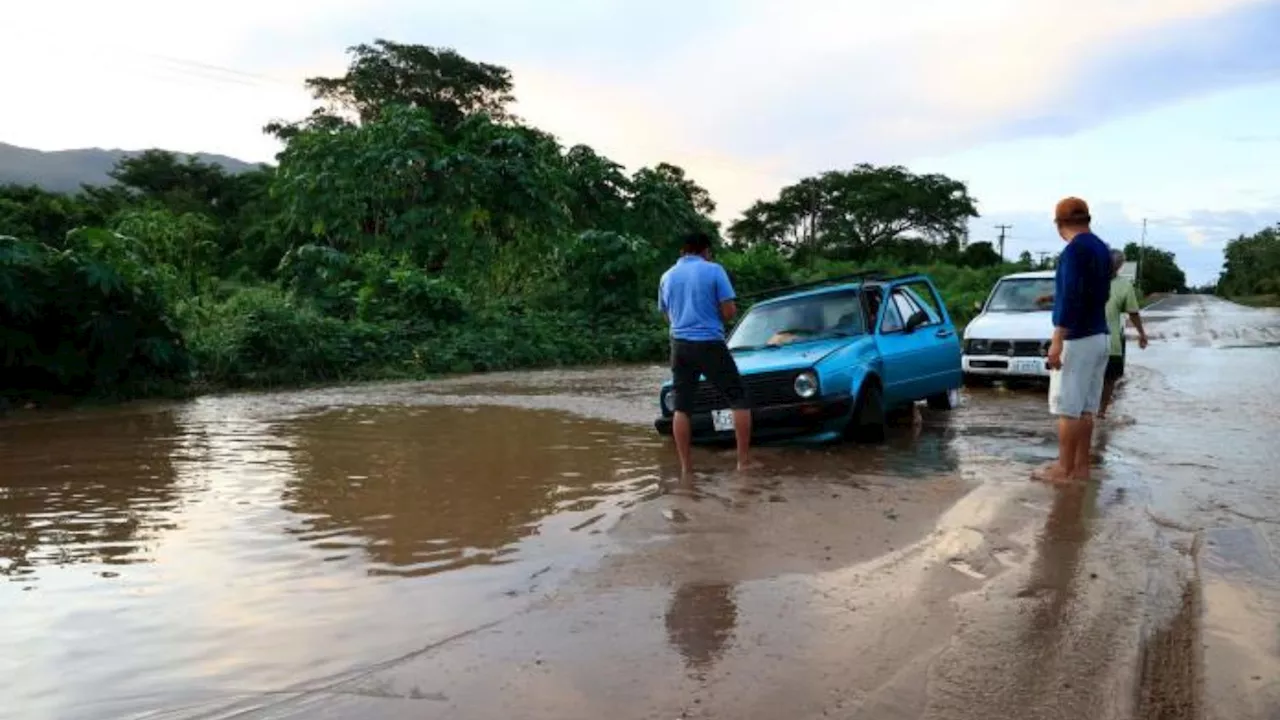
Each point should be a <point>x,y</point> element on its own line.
<point>1081,340</point>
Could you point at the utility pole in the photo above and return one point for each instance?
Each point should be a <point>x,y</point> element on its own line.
<point>1002,229</point>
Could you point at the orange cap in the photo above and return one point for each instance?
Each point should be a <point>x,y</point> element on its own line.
<point>1071,209</point>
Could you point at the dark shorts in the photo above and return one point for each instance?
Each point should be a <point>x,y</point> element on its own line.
<point>692,359</point>
<point>1115,367</point>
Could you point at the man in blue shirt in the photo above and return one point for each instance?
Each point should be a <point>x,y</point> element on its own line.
<point>697,298</point>
<point>1081,340</point>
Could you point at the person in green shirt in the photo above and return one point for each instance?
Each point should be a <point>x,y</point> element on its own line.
<point>1123,300</point>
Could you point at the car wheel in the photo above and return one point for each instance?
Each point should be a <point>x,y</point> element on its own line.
<point>868,423</point>
<point>949,400</point>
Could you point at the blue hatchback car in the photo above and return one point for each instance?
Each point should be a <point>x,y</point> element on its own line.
<point>832,359</point>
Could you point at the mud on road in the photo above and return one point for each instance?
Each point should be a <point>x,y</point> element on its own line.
<point>513,546</point>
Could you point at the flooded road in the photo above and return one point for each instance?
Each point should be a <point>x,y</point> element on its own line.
<point>512,546</point>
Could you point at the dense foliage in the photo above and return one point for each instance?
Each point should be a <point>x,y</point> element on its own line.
<point>412,227</point>
<point>1252,267</point>
<point>1157,271</point>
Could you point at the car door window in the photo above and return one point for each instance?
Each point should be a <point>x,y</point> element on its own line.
<point>903,304</point>
<point>892,319</point>
<point>906,308</point>
<point>922,302</point>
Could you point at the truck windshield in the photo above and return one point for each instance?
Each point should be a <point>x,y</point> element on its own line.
<point>1022,295</point>
<point>814,317</point>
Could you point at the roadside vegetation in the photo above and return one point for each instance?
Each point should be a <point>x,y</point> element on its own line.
<point>412,226</point>
<point>1251,271</point>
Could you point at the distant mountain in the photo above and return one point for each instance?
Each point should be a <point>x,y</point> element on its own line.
<point>67,170</point>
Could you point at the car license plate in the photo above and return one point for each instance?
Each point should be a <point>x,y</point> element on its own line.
<point>1029,366</point>
<point>722,420</point>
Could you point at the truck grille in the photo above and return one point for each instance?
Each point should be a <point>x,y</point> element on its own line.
<point>764,389</point>
<point>1019,348</point>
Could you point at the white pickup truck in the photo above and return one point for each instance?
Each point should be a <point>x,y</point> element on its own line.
<point>1009,338</point>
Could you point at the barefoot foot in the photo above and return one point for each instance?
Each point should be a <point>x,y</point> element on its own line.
<point>1053,473</point>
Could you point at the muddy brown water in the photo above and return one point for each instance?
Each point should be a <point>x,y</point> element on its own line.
<point>513,546</point>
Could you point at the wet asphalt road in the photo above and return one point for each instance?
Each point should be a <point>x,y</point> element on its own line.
<point>511,546</point>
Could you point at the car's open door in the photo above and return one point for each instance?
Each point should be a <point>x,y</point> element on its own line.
<point>917,341</point>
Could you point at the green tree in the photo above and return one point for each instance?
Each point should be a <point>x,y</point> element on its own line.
<point>30,212</point>
<point>1157,271</point>
<point>852,214</point>
<point>1252,264</point>
<point>981,254</point>
<point>439,81</point>
<point>185,242</point>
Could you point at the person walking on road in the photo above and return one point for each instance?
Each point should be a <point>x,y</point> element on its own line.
<point>1122,301</point>
<point>1081,340</point>
<point>697,299</point>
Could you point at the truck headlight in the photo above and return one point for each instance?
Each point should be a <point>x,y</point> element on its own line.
<point>979,347</point>
<point>669,401</point>
<point>806,385</point>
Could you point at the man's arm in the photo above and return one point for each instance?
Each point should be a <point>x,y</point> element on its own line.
<point>1131,307</point>
<point>662,299</point>
<point>725,297</point>
<point>1066,299</point>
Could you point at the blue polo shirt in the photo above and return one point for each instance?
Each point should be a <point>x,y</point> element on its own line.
<point>1082,287</point>
<point>690,294</point>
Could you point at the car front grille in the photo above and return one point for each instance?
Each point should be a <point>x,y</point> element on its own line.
<point>764,389</point>
<point>1017,348</point>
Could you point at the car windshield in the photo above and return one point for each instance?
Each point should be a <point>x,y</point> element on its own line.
<point>814,317</point>
<point>1022,295</point>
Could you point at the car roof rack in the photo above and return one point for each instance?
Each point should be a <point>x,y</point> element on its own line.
<point>836,280</point>
<point>895,278</point>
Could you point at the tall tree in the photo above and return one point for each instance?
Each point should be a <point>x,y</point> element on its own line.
<point>1252,264</point>
<point>1158,269</point>
<point>849,214</point>
<point>438,80</point>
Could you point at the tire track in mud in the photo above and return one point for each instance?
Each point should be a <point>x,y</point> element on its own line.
<point>1170,683</point>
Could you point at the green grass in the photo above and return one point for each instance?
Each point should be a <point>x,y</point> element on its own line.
<point>1257,300</point>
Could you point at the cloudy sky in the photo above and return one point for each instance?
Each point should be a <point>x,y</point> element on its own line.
<point>1161,109</point>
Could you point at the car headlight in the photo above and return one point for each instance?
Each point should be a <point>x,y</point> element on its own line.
<point>979,347</point>
<point>669,401</point>
<point>806,385</point>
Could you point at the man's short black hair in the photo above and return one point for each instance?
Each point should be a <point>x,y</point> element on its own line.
<point>695,242</point>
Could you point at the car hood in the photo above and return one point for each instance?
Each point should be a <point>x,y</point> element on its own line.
<point>1011,326</point>
<point>791,357</point>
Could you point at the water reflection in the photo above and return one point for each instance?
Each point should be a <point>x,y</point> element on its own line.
<point>1059,548</point>
<point>84,491</point>
<point>424,490</point>
<point>700,621</point>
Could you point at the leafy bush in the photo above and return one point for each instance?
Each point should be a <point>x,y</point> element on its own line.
<point>89,320</point>
<point>508,341</point>
<point>760,267</point>
<point>404,293</point>
<point>607,273</point>
<point>264,336</point>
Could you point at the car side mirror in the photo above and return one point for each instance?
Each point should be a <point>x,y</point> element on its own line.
<point>917,319</point>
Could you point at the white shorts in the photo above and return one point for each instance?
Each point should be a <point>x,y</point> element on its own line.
<point>1076,389</point>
